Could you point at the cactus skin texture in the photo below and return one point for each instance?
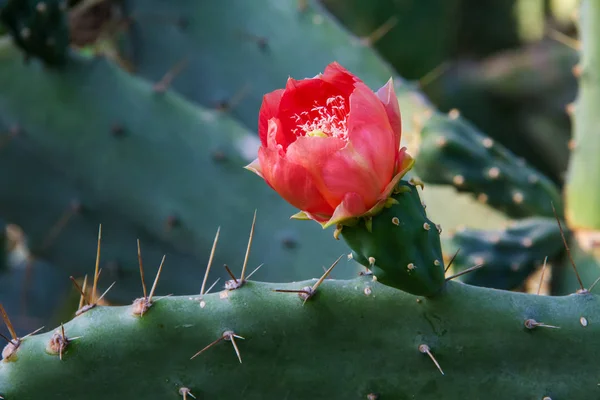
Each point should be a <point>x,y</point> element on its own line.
<point>582,193</point>
<point>39,28</point>
<point>400,245</point>
<point>509,255</point>
<point>453,152</point>
<point>357,332</point>
<point>174,164</point>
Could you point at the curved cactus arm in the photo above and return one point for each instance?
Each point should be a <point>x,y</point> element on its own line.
<point>454,152</point>
<point>349,340</point>
<point>509,256</point>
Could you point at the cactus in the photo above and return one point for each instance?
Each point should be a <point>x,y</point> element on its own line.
<point>163,174</point>
<point>352,324</point>
<point>508,256</point>
<point>517,97</point>
<point>39,28</point>
<point>580,190</point>
<point>453,152</point>
<point>400,245</point>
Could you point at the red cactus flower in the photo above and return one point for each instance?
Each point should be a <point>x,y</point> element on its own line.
<point>330,146</point>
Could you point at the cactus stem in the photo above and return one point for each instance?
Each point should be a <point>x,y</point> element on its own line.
<point>423,348</point>
<point>542,276</point>
<point>185,392</point>
<point>562,234</point>
<point>466,271</point>
<point>532,324</point>
<point>162,85</point>
<point>451,261</point>
<point>210,260</point>
<point>247,255</point>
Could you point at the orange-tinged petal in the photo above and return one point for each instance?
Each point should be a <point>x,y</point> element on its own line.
<point>341,78</point>
<point>268,110</point>
<point>390,102</point>
<point>292,182</point>
<point>336,168</point>
<point>371,134</point>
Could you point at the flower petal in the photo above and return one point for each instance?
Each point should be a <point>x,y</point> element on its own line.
<point>292,182</point>
<point>390,102</point>
<point>351,207</point>
<point>300,103</point>
<point>371,134</point>
<point>341,78</point>
<point>269,109</point>
<point>255,167</point>
<point>337,169</point>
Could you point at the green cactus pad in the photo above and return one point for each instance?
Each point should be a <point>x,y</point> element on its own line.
<point>39,28</point>
<point>509,255</point>
<point>453,152</point>
<point>582,191</point>
<point>144,164</point>
<point>400,245</point>
<point>351,340</point>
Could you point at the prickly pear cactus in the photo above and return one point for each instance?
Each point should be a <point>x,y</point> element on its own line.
<point>39,28</point>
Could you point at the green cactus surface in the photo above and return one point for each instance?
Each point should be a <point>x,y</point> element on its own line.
<point>454,152</point>
<point>374,339</point>
<point>175,177</point>
<point>400,245</point>
<point>508,256</point>
<point>39,28</point>
<point>582,192</point>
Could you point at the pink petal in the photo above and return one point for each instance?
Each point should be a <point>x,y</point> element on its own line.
<point>269,109</point>
<point>371,134</point>
<point>275,135</point>
<point>341,78</point>
<point>292,182</point>
<point>336,168</point>
<point>390,102</point>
